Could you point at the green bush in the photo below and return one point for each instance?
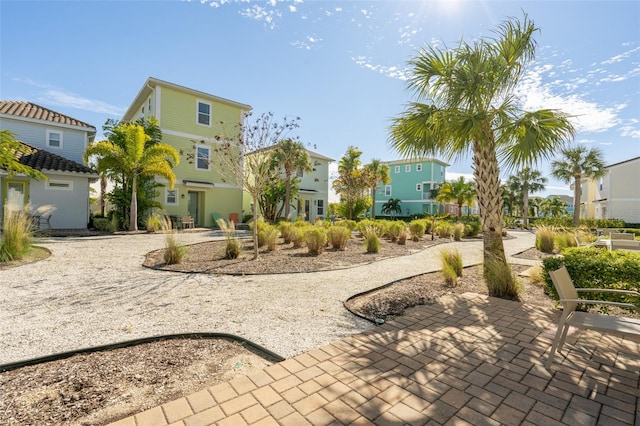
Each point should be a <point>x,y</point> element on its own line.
<point>417,228</point>
<point>372,242</point>
<point>285,231</point>
<point>402,238</point>
<point>458,231</point>
<point>444,229</point>
<point>232,247</point>
<point>562,240</point>
<point>592,267</point>
<point>349,224</point>
<point>452,260</point>
<point>157,222</point>
<point>267,235</point>
<point>173,251</point>
<point>472,229</point>
<point>545,238</point>
<point>297,235</point>
<point>394,229</point>
<point>103,224</point>
<point>449,275</point>
<point>338,236</point>
<point>367,226</point>
<point>500,280</point>
<point>316,239</point>
<point>16,234</point>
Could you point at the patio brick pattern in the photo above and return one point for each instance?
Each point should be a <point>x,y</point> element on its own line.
<point>465,360</point>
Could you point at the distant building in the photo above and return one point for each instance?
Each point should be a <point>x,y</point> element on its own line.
<point>412,182</point>
<point>614,196</point>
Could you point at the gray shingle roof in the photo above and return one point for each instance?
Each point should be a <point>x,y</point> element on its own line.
<point>36,112</point>
<point>42,160</point>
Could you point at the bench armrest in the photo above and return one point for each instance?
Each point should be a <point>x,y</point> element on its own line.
<point>606,290</point>
<point>600,302</point>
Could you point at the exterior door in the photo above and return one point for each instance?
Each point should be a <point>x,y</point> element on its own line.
<point>193,205</point>
<point>307,210</point>
<point>16,191</point>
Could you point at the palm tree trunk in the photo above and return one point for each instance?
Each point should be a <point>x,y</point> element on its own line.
<point>576,201</point>
<point>525,202</point>
<point>133,210</point>
<point>287,197</point>
<point>373,204</point>
<point>487,176</point>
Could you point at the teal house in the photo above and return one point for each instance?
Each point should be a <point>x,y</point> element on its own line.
<point>412,182</point>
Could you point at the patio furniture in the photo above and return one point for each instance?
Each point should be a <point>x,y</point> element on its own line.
<point>582,243</point>
<point>623,236</point>
<point>214,217</point>
<point>624,244</point>
<point>570,317</point>
<point>187,222</point>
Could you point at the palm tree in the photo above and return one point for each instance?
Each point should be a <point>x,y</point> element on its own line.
<point>576,163</point>
<point>457,191</point>
<point>529,181</point>
<point>392,207</point>
<point>553,207</point>
<point>350,183</point>
<point>11,151</point>
<point>466,105</point>
<point>133,159</point>
<point>375,172</point>
<point>291,156</point>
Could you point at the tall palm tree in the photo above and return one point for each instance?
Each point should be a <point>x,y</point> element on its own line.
<point>350,184</point>
<point>466,105</point>
<point>291,156</point>
<point>375,172</point>
<point>575,163</point>
<point>529,181</point>
<point>458,191</point>
<point>134,159</point>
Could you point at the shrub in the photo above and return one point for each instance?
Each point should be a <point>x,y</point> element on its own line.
<point>315,238</point>
<point>402,238</point>
<point>267,235</point>
<point>16,233</point>
<point>592,267</point>
<point>394,230</point>
<point>449,275</point>
<point>157,222</point>
<point>452,260</point>
<point>103,224</point>
<point>458,231</point>
<point>232,247</point>
<point>372,242</point>
<point>500,280</point>
<point>367,226</point>
<point>285,231</point>
<point>562,240</point>
<point>349,224</point>
<point>417,228</point>
<point>472,229</point>
<point>444,229</point>
<point>173,251</point>
<point>297,236</point>
<point>338,236</point>
<point>545,239</point>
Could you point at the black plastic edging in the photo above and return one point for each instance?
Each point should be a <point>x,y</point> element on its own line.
<point>254,347</point>
<point>366,292</point>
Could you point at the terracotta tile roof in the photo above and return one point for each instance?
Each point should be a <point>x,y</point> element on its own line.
<point>36,112</point>
<point>42,160</point>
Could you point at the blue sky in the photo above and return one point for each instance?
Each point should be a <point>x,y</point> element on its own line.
<point>339,66</point>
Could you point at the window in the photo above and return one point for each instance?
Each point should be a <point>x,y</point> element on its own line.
<point>62,185</point>
<point>320,207</point>
<point>202,158</point>
<point>419,167</point>
<point>142,112</point>
<point>397,169</point>
<point>204,113</point>
<point>299,173</point>
<point>418,187</point>
<point>387,191</point>
<point>54,139</point>
<point>171,196</point>
<point>407,168</point>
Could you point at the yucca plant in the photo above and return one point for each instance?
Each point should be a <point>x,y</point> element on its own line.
<point>338,237</point>
<point>315,238</point>
<point>173,251</point>
<point>232,247</point>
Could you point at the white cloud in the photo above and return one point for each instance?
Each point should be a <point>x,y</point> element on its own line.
<point>391,71</point>
<point>259,13</point>
<point>621,57</point>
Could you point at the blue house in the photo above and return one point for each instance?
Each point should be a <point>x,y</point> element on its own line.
<point>412,182</point>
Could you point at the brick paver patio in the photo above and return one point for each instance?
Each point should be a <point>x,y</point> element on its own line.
<point>466,360</point>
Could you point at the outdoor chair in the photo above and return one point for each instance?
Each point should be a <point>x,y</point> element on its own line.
<point>581,243</point>
<point>570,317</point>
<point>187,222</point>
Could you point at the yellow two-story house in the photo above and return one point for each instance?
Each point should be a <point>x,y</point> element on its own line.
<point>190,120</point>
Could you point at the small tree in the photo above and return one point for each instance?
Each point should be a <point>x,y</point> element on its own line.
<point>241,153</point>
<point>574,164</point>
<point>290,155</point>
<point>11,151</point>
<point>392,207</point>
<point>351,183</point>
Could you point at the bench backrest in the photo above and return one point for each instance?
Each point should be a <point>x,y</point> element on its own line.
<point>625,244</point>
<point>564,286</point>
<point>622,236</point>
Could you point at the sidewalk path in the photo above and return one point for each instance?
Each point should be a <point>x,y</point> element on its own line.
<point>94,291</point>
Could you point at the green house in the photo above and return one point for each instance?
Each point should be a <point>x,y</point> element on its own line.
<point>190,120</point>
<point>412,182</point>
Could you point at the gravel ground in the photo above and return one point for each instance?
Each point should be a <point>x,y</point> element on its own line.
<point>94,291</point>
